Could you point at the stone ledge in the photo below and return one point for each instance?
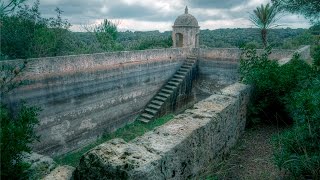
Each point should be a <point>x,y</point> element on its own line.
<point>180,149</point>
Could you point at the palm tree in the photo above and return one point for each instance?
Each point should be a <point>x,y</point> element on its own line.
<point>264,17</point>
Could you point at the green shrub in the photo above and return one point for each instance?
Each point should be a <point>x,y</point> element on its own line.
<point>298,149</point>
<point>261,73</point>
<point>294,89</point>
<point>16,133</point>
<point>316,56</point>
<point>270,82</point>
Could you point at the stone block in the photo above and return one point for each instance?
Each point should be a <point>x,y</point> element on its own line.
<point>61,173</point>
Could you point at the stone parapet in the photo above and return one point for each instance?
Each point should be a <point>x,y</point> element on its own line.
<point>180,149</point>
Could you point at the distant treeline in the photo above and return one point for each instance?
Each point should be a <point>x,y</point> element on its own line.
<point>26,34</point>
<point>225,38</point>
<point>285,38</point>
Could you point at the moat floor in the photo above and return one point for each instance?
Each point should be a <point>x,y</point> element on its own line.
<point>251,158</point>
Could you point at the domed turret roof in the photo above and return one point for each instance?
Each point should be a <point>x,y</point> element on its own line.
<point>186,19</point>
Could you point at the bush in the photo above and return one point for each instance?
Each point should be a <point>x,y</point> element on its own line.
<point>294,90</point>
<point>25,34</point>
<point>270,81</point>
<point>298,149</point>
<point>316,56</point>
<point>16,133</point>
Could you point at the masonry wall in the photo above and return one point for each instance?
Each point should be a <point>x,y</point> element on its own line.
<point>180,149</point>
<point>220,65</point>
<point>85,95</point>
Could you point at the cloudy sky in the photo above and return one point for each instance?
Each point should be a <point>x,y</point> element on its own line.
<point>145,15</point>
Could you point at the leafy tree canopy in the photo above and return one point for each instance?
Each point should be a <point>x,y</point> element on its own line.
<point>308,8</point>
<point>10,6</point>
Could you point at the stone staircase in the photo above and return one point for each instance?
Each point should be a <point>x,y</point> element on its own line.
<point>155,106</point>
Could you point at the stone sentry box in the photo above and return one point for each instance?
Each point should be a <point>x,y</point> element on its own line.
<point>186,31</point>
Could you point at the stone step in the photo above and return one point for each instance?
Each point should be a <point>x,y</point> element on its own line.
<point>190,61</point>
<point>159,98</point>
<point>164,94</point>
<point>182,72</point>
<point>184,68</point>
<point>147,116</point>
<point>151,111</point>
<point>177,80</point>
<point>191,57</point>
<point>153,106</point>
<point>167,91</point>
<point>179,76</point>
<point>156,102</point>
<point>144,120</point>
<point>188,64</point>
<point>170,87</point>
<point>173,83</point>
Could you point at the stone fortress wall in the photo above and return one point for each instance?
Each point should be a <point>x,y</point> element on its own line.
<point>190,143</point>
<point>180,149</point>
<point>83,96</point>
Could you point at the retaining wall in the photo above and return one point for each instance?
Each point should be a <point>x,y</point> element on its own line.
<point>85,95</point>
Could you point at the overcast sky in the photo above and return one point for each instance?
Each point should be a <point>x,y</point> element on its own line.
<point>145,15</point>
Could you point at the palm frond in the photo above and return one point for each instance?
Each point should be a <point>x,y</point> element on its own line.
<point>264,17</point>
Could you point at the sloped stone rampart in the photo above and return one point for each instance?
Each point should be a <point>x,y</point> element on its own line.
<point>180,149</point>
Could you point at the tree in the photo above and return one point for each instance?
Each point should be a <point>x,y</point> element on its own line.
<point>107,33</point>
<point>16,134</point>
<point>264,17</point>
<point>310,9</point>
<point>10,6</point>
<point>25,34</point>
<point>50,39</point>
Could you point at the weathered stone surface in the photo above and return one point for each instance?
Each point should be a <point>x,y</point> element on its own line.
<point>61,173</point>
<point>179,149</point>
<point>84,96</point>
<point>40,165</point>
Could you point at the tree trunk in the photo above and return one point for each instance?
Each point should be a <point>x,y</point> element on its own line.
<point>264,37</point>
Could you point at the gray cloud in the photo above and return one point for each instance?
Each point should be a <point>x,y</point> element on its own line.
<point>83,11</point>
<point>122,10</point>
<point>78,11</point>
<point>217,4</point>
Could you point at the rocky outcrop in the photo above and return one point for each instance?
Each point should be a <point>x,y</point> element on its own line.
<point>61,173</point>
<point>39,165</point>
<point>180,149</point>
